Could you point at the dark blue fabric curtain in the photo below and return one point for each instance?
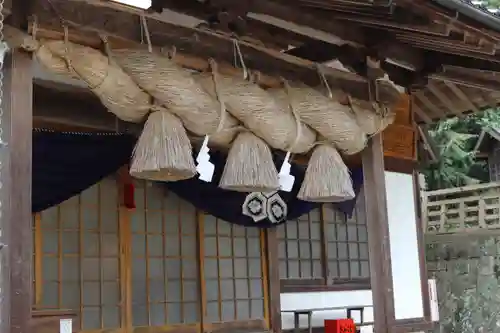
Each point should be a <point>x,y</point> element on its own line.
<point>227,205</point>
<point>65,164</point>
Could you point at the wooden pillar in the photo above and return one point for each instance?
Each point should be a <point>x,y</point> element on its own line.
<point>378,235</point>
<point>274,280</point>
<point>15,194</point>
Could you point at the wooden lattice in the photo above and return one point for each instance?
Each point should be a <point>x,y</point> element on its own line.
<point>469,209</point>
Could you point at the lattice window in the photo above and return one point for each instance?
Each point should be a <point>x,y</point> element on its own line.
<point>300,247</point>
<point>165,280</point>
<point>347,244</point>
<point>233,271</point>
<point>323,247</point>
<point>78,251</point>
<point>120,268</point>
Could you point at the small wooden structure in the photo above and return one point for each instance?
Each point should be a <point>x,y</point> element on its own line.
<point>468,210</point>
<point>487,148</point>
<point>445,62</point>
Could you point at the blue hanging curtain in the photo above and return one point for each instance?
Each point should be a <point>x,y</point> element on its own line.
<point>65,164</point>
<point>227,205</point>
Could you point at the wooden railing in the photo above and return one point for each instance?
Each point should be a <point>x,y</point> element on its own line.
<point>471,209</point>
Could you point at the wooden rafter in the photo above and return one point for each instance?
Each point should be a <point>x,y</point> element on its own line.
<point>461,95</point>
<point>428,104</point>
<point>434,89</point>
<point>421,114</point>
<point>468,81</point>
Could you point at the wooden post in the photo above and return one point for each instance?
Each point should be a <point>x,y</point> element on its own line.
<point>274,280</point>
<point>378,235</point>
<point>15,194</point>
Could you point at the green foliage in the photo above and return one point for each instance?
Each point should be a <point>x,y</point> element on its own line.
<point>491,3</point>
<point>455,139</point>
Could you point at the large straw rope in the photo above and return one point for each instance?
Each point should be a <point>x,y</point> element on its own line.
<point>116,90</point>
<point>371,116</point>
<point>260,113</point>
<point>51,62</point>
<point>331,119</point>
<point>175,87</point>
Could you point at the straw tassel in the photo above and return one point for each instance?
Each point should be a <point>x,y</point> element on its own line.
<point>163,151</point>
<point>249,166</point>
<point>327,178</point>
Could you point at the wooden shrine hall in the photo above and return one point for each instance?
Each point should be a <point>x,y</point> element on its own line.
<point>387,68</point>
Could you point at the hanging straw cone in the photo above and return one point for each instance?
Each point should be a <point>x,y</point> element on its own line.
<point>249,166</point>
<point>327,178</point>
<point>163,151</point>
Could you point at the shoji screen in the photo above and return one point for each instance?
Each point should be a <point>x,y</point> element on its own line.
<point>77,250</point>
<point>165,280</point>
<point>234,271</point>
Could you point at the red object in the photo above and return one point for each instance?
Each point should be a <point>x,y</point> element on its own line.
<point>128,196</point>
<point>340,326</point>
<point>127,188</point>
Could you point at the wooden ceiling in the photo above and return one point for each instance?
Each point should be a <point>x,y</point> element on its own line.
<point>449,63</point>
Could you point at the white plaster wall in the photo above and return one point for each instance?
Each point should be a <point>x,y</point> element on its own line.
<point>315,300</point>
<point>405,261</point>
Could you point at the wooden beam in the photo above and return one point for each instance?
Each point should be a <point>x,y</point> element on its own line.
<point>378,235</point>
<point>428,104</point>
<point>420,113</point>
<point>461,95</point>
<point>211,13</point>
<point>20,12</point>
<point>429,147</point>
<point>281,9</point>
<point>434,29</point>
<point>15,175</point>
<point>126,25</point>
<point>468,81</point>
<point>434,89</point>
<point>488,99</point>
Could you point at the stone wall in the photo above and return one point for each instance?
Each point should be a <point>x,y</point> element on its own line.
<point>468,284</point>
